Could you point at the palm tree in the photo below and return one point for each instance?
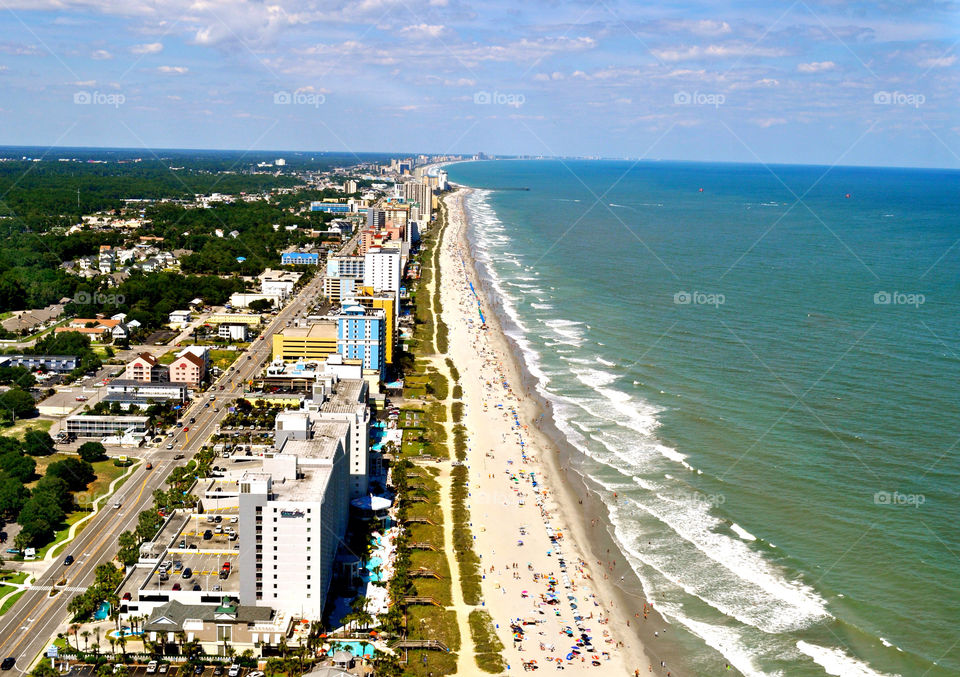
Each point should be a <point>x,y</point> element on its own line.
<point>122,640</point>
<point>86,639</point>
<point>113,645</point>
<point>74,628</point>
<point>96,635</point>
<point>181,640</point>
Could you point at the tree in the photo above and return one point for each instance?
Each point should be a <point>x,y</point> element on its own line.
<point>40,517</point>
<point>37,442</point>
<point>56,487</point>
<point>15,464</point>
<point>17,402</point>
<point>91,452</point>
<point>13,496</point>
<point>260,305</point>
<point>129,551</point>
<point>76,473</point>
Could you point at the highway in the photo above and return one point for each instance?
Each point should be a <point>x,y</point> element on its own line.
<point>29,625</point>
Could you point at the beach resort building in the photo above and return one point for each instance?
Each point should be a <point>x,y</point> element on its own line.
<point>361,335</point>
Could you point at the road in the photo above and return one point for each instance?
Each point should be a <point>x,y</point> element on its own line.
<point>28,627</point>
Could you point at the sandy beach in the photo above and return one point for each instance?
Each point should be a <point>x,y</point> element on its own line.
<point>554,606</point>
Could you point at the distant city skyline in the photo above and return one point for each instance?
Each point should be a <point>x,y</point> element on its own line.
<point>808,82</point>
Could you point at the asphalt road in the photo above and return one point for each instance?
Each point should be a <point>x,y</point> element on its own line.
<point>29,625</point>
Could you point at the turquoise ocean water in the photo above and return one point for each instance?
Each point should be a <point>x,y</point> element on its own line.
<point>769,385</point>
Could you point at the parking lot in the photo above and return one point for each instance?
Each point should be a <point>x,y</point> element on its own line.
<point>204,569</point>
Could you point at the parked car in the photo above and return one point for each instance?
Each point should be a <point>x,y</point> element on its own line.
<point>218,670</point>
<point>196,587</point>
<point>127,597</point>
<point>176,586</point>
<point>163,668</point>
<point>198,669</point>
<point>187,573</point>
<point>151,667</point>
<point>234,670</point>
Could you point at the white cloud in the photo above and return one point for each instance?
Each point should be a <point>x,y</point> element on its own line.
<point>938,62</point>
<point>716,52</point>
<point>816,66</point>
<point>149,48</point>
<point>706,27</point>
<point>173,70</point>
<point>101,55</point>
<point>424,31</point>
<point>768,122</point>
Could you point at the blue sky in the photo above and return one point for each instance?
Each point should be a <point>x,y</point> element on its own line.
<point>812,82</point>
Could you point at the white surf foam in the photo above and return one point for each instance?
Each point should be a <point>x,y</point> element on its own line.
<point>838,662</point>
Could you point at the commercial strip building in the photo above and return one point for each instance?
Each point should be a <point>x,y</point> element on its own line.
<point>143,394</point>
<point>249,319</point>
<point>61,364</point>
<point>106,426</point>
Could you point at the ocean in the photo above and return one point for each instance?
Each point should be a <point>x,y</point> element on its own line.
<point>758,368</point>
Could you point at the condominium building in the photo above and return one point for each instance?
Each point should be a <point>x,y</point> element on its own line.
<point>382,269</point>
<point>420,194</point>
<point>300,258</point>
<point>386,301</point>
<point>292,518</point>
<point>361,335</point>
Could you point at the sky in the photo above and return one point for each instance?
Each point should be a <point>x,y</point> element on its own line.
<point>825,82</point>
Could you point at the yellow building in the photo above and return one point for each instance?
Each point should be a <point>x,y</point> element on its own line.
<point>252,319</point>
<point>368,298</point>
<point>316,342</point>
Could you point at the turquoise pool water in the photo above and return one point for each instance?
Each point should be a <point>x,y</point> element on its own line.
<point>371,565</point>
<point>102,611</point>
<point>356,648</point>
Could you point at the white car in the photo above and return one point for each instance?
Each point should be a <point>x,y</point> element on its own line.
<point>116,506</point>
<point>151,667</point>
<point>234,670</point>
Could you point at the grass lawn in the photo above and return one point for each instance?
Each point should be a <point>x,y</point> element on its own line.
<point>107,472</point>
<point>20,427</point>
<point>429,622</point>
<point>13,576</point>
<point>438,663</point>
<point>167,357</point>
<point>224,358</point>
<point>10,601</point>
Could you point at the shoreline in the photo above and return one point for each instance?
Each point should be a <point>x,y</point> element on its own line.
<point>574,507</point>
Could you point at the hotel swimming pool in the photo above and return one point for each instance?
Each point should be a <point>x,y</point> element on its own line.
<point>356,648</point>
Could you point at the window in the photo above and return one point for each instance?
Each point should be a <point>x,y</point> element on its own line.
<point>224,633</point>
